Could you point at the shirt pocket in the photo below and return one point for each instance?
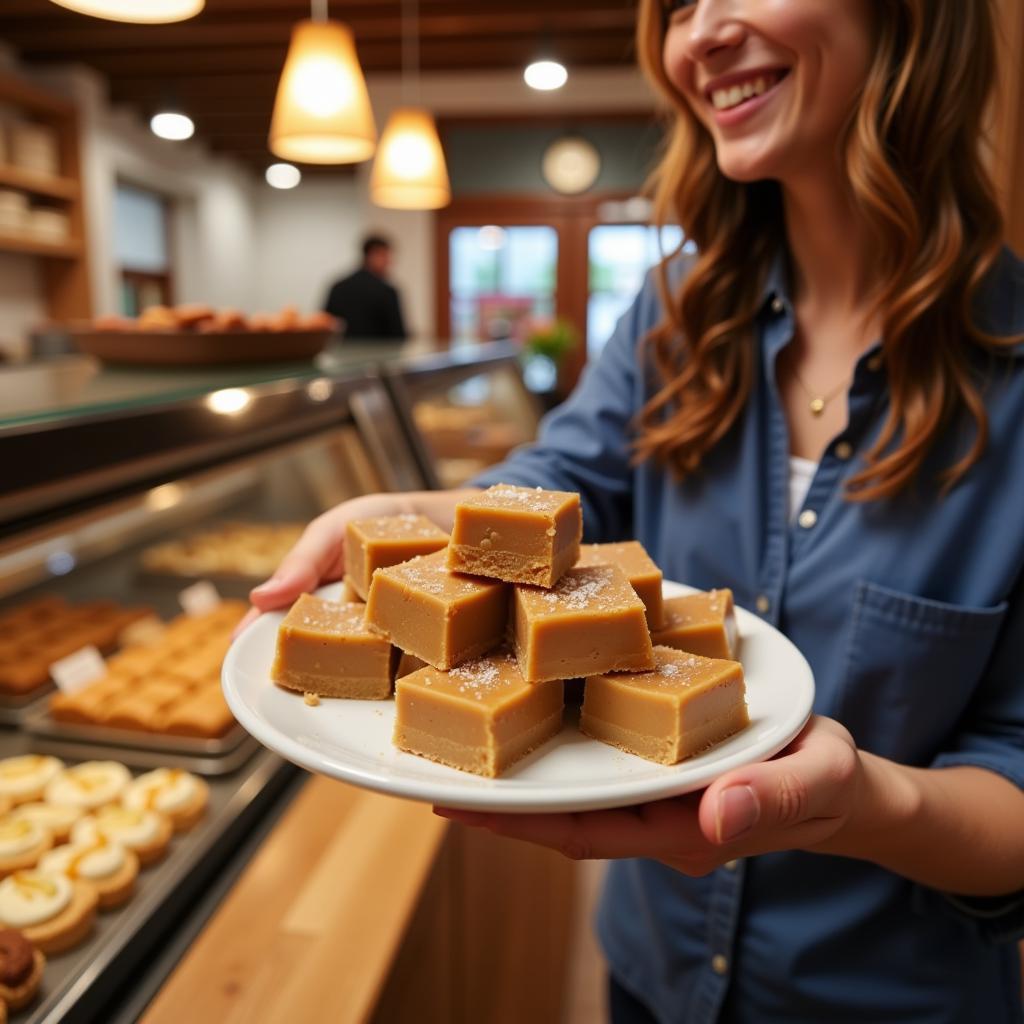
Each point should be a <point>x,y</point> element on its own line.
<point>911,666</point>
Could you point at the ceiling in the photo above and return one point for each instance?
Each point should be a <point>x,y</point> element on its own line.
<point>222,65</point>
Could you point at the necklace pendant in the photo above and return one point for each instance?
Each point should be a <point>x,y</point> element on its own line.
<point>817,406</point>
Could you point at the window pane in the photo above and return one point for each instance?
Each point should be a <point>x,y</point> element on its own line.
<point>619,257</point>
<point>498,277</point>
<point>140,230</point>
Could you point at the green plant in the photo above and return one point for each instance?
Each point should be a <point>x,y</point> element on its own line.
<point>550,337</point>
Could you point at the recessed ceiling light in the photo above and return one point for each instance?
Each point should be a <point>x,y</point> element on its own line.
<point>172,126</point>
<point>545,75</point>
<point>283,175</point>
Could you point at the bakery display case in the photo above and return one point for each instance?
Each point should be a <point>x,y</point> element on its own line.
<point>464,410</point>
<point>135,514</point>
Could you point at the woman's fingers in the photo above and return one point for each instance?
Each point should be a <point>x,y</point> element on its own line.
<point>813,781</point>
<point>317,558</point>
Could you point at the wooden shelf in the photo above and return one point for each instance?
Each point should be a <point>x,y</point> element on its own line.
<point>51,187</point>
<point>63,250</point>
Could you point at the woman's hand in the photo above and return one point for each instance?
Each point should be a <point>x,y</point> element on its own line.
<point>319,555</point>
<point>802,799</point>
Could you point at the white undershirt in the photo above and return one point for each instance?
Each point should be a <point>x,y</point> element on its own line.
<point>801,473</point>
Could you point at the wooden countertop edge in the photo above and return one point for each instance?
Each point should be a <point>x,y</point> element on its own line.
<point>313,924</point>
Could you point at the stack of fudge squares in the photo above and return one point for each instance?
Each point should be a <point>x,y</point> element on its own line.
<point>475,635</point>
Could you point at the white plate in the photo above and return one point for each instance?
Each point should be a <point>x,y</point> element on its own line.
<point>351,739</point>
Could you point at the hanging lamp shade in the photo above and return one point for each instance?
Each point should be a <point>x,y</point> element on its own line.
<point>141,12</point>
<point>322,112</point>
<point>409,172</point>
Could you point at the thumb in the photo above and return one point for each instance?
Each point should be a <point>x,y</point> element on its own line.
<point>808,785</point>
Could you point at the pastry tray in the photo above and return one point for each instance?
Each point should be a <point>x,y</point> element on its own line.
<point>139,749</point>
<point>78,985</point>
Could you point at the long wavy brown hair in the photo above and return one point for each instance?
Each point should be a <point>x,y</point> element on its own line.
<point>911,148</point>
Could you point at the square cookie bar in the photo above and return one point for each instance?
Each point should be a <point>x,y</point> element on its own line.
<point>643,575</point>
<point>517,534</point>
<point>326,649</point>
<point>481,717</point>
<point>386,540</point>
<point>442,617</point>
<point>685,705</point>
<point>703,623</point>
<point>590,621</point>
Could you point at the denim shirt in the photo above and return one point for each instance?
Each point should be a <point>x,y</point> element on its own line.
<point>911,614</point>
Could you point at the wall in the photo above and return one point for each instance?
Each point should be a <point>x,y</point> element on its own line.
<point>236,241</point>
<point>333,212</point>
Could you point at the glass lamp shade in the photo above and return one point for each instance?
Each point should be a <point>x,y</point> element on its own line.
<point>141,12</point>
<point>409,172</point>
<point>322,112</point>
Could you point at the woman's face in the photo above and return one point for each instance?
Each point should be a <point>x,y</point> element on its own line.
<point>773,81</point>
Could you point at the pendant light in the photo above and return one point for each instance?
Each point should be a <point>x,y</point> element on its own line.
<point>409,171</point>
<point>322,112</point>
<point>140,12</point>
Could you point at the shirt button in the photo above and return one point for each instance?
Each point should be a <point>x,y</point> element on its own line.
<point>719,964</point>
<point>730,865</point>
<point>778,306</point>
<point>844,450</point>
<point>807,518</point>
<point>762,604</point>
<point>875,364</point>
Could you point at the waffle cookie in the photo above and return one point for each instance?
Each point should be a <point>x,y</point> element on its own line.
<point>36,634</point>
<point>171,687</point>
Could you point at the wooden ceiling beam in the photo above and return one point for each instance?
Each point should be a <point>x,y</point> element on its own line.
<point>232,35</point>
<point>449,55</point>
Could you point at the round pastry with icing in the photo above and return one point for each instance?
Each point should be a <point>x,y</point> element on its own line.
<point>109,866</point>
<point>21,969</point>
<point>54,912</point>
<point>22,843</point>
<point>145,832</point>
<point>180,795</point>
<point>23,779</point>
<point>89,785</point>
<point>57,819</point>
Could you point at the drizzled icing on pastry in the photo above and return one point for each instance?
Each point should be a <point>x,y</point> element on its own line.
<point>165,789</point>
<point>31,897</point>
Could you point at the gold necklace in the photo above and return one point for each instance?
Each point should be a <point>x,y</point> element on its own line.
<point>818,401</point>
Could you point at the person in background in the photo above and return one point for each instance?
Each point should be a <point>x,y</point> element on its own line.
<point>366,300</point>
<point>822,408</point>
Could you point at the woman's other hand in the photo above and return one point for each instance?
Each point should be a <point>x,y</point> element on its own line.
<point>801,799</point>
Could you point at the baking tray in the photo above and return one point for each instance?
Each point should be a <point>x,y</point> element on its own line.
<point>192,348</point>
<point>78,985</point>
<point>218,756</point>
<point>15,709</point>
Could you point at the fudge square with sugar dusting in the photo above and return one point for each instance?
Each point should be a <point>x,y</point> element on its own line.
<point>442,617</point>
<point>590,621</point>
<point>517,534</point>
<point>373,543</point>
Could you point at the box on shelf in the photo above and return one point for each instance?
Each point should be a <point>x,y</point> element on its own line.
<point>48,225</point>
<point>34,148</point>
<point>13,211</point>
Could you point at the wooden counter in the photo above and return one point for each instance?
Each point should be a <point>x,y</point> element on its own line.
<point>364,907</point>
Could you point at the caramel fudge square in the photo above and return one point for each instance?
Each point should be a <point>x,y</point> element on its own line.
<point>386,540</point>
<point>325,648</point>
<point>591,621</point>
<point>643,575</point>
<point>685,705</point>
<point>703,623</point>
<point>517,534</point>
<point>481,717</point>
<point>442,617</point>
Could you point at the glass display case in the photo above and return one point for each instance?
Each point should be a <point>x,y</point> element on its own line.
<point>465,411</point>
<point>117,498</point>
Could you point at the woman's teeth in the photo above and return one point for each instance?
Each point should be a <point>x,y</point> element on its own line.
<point>725,99</point>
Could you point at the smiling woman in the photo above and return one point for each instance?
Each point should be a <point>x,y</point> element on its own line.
<point>825,163</point>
